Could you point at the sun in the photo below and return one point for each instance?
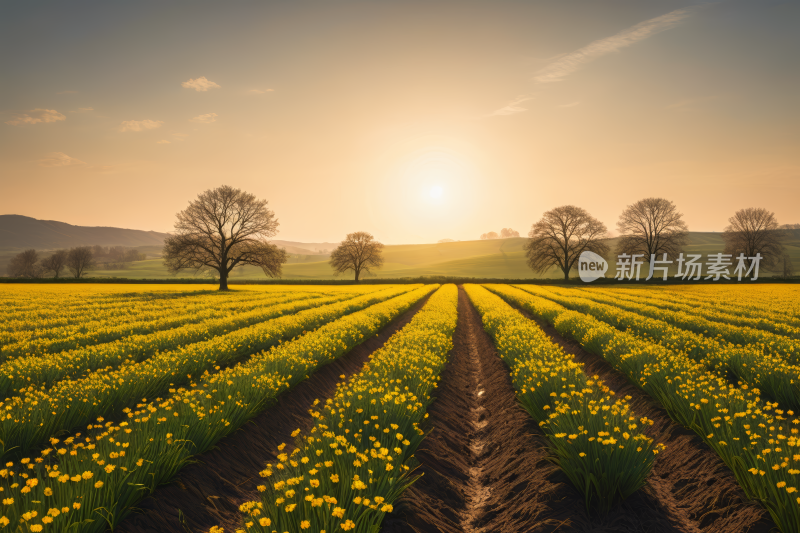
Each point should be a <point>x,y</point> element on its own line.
<point>436,192</point>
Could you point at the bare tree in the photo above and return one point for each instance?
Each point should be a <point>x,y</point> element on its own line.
<point>359,252</point>
<point>55,263</point>
<point>222,229</point>
<point>652,226</point>
<point>754,230</point>
<point>23,265</point>
<point>507,233</point>
<point>490,235</point>
<point>80,260</point>
<point>560,237</point>
<point>788,270</point>
<point>790,226</point>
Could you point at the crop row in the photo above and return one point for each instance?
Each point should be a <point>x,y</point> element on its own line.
<point>749,364</point>
<point>63,308</point>
<point>770,343</point>
<point>779,300</point>
<point>90,481</point>
<point>71,320</point>
<point>45,370</point>
<point>756,440</point>
<point>746,316</point>
<point>348,470</point>
<point>596,438</point>
<point>38,343</point>
<point>36,414</point>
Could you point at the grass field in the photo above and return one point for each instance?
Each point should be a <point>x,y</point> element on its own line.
<point>312,401</point>
<point>502,258</point>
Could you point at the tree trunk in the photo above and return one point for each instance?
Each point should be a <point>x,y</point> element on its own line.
<point>357,273</point>
<point>223,281</point>
<point>566,274</point>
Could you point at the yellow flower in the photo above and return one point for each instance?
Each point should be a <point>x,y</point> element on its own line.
<point>305,524</point>
<point>338,512</point>
<point>348,525</point>
<point>98,485</point>
<point>48,491</point>
<point>264,521</point>
<point>335,478</point>
<point>8,501</point>
<point>76,505</point>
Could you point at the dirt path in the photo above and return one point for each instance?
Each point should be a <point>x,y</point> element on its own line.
<point>209,492</point>
<point>485,466</point>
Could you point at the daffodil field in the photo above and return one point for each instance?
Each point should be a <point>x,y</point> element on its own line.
<point>757,439</point>
<point>348,470</point>
<point>111,391</point>
<point>595,437</point>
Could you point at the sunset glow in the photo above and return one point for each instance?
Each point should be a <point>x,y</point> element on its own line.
<point>379,111</point>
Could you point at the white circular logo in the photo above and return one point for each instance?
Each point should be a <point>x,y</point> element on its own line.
<point>591,266</point>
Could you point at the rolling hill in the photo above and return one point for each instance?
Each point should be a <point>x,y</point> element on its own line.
<point>21,232</point>
<point>501,258</point>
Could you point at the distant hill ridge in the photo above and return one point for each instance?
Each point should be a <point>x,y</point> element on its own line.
<point>21,232</point>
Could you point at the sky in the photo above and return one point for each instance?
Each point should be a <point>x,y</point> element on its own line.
<point>413,120</point>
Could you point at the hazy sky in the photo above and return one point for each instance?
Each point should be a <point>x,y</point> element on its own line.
<point>414,120</point>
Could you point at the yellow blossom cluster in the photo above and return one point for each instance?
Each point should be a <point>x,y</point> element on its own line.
<point>756,438</point>
<point>598,441</point>
<point>23,372</point>
<point>93,471</point>
<point>35,413</point>
<point>749,363</point>
<point>348,470</point>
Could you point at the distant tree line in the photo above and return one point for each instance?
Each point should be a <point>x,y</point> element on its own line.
<point>505,233</point>
<point>77,261</point>
<point>652,228</point>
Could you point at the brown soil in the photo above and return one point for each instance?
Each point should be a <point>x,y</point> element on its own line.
<point>485,466</point>
<point>208,493</point>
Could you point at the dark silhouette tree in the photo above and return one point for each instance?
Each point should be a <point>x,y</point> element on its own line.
<point>222,229</point>
<point>55,263</point>
<point>24,265</point>
<point>359,252</point>
<point>755,230</point>
<point>560,237</point>
<point>652,226</point>
<point>80,260</point>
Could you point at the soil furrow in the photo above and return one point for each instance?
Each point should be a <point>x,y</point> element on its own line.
<point>208,493</point>
<point>485,463</point>
<point>689,481</point>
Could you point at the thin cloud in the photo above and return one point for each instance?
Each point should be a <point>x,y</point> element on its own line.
<point>82,110</point>
<point>566,64</point>
<point>208,118</point>
<point>260,91</point>
<point>35,116</point>
<point>200,84</point>
<point>563,67</point>
<point>163,141</point>
<point>140,125</point>
<point>59,159</point>
<point>512,108</point>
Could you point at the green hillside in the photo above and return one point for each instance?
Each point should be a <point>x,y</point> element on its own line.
<point>502,258</point>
